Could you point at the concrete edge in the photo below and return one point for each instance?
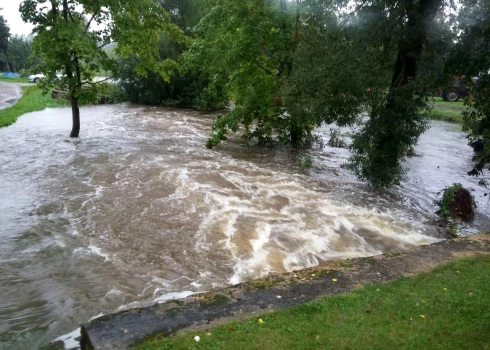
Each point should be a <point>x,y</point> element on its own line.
<point>274,292</point>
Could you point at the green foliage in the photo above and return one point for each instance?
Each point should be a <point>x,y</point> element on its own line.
<point>292,67</point>
<point>20,51</point>
<point>245,46</point>
<point>446,308</point>
<point>471,57</point>
<point>4,41</point>
<point>110,93</point>
<point>136,27</point>
<point>383,141</point>
<point>335,74</point>
<point>447,199</point>
<point>189,86</point>
<point>33,99</point>
<point>306,162</point>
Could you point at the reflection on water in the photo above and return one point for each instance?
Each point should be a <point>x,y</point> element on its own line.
<point>138,211</point>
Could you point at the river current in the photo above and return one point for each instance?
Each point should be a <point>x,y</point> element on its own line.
<point>138,211</point>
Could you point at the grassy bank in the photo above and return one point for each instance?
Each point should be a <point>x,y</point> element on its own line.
<point>447,111</point>
<point>447,308</point>
<point>14,80</point>
<point>32,100</point>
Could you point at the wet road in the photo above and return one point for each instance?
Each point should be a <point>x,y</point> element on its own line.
<point>9,93</point>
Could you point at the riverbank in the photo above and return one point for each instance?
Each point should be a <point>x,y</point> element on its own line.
<point>447,111</point>
<point>32,100</point>
<point>446,308</point>
<point>377,313</point>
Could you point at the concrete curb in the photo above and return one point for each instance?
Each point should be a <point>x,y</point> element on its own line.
<point>124,329</point>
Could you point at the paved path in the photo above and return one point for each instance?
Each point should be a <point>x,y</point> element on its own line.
<point>9,94</point>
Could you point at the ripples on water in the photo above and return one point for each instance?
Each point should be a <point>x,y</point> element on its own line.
<point>139,210</point>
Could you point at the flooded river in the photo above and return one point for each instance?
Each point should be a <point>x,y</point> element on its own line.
<point>140,211</point>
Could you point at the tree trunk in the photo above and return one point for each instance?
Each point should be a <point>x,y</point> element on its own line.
<point>75,113</point>
<point>419,16</point>
<point>8,60</point>
<point>295,134</point>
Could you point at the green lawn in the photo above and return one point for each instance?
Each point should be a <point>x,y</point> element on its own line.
<point>32,100</point>
<point>14,80</point>
<point>447,111</point>
<point>447,308</point>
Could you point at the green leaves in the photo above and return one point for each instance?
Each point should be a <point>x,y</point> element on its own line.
<point>246,45</point>
<point>470,58</point>
<point>81,29</point>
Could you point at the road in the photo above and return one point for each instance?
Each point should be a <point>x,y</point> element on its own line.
<point>9,94</point>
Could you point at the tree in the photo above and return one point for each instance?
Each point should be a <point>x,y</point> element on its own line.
<point>71,35</point>
<point>4,40</point>
<point>396,122</point>
<point>246,46</point>
<point>379,57</point>
<point>186,86</point>
<point>291,66</point>
<point>20,51</point>
<point>470,57</point>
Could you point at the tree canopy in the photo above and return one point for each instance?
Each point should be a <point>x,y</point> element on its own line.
<point>70,37</point>
<point>291,66</point>
<point>285,67</point>
<point>4,39</point>
<point>470,57</point>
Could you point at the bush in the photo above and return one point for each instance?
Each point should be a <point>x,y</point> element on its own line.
<point>306,162</point>
<point>457,202</point>
<point>110,93</point>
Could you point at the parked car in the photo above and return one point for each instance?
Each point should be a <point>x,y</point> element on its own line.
<point>36,77</point>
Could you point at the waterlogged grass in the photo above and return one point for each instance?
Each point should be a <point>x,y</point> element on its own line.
<point>447,111</point>
<point>447,308</point>
<point>32,100</point>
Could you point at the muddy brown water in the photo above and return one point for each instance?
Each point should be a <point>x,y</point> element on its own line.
<point>139,211</point>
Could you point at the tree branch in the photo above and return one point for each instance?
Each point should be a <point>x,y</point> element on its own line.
<point>97,82</point>
<point>265,69</point>
<point>91,19</point>
<point>103,45</point>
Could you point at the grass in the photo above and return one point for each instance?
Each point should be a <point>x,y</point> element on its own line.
<point>14,80</point>
<point>447,308</point>
<point>32,100</point>
<point>447,111</point>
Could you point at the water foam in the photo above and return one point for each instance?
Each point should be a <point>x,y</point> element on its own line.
<point>277,224</point>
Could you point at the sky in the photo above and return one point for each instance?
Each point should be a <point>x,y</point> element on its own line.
<point>11,13</point>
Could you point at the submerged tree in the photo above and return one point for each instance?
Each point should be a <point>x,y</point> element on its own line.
<point>71,35</point>
<point>247,46</point>
<point>396,122</point>
<point>291,66</point>
<point>380,58</point>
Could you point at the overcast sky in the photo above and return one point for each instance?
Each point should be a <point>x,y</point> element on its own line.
<point>11,13</point>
